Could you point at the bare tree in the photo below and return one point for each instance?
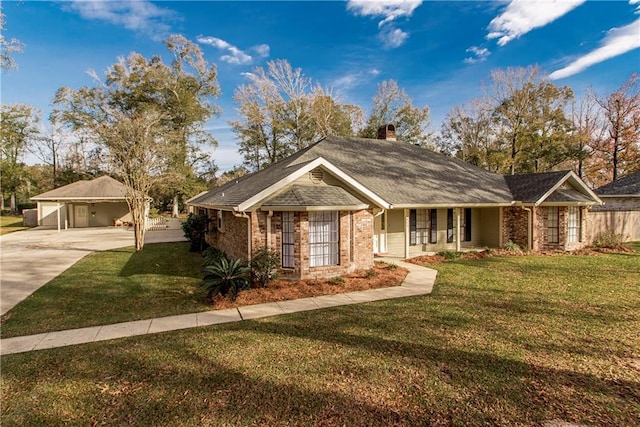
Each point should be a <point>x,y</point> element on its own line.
<point>391,104</point>
<point>621,120</point>
<point>7,47</point>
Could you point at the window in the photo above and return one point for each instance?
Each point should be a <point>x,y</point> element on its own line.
<point>383,221</point>
<point>323,238</point>
<point>450,234</point>
<point>465,224</point>
<point>573,231</point>
<point>288,230</point>
<point>418,226</point>
<point>553,223</point>
<point>433,219</point>
<point>220,223</point>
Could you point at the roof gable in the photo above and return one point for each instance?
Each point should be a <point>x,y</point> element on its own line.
<point>550,187</point>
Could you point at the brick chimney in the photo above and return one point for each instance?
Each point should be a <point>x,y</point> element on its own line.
<point>387,132</point>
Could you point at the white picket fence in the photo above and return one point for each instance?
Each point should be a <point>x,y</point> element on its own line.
<point>160,223</point>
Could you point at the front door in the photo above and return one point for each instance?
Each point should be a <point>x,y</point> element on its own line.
<point>81,216</point>
<point>380,233</point>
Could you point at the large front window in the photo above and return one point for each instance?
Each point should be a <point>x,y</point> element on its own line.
<point>553,224</point>
<point>465,224</point>
<point>450,235</point>
<point>288,235</point>
<point>324,239</point>
<point>573,231</point>
<point>419,226</point>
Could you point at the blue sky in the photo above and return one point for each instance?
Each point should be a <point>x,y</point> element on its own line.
<point>440,52</point>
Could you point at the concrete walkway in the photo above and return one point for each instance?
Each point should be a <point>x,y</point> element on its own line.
<point>419,281</point>
<point>31,258</point>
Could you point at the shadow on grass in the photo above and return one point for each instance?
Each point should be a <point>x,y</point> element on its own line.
<point>164,259</point>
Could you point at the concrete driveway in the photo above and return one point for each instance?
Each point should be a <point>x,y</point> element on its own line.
<point>31,258</point>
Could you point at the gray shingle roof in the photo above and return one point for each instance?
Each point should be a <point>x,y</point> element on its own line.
<point>568,195</point>
<point>102,188</point>
<point>307,195</point>
<point>398,172</point>
<point>529,188</point>
<point>629,185</point>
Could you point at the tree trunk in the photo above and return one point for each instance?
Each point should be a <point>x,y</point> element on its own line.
<point>13,207</point>
<point>175,212</point>
<point>1,201</point>
<point>138,211</point>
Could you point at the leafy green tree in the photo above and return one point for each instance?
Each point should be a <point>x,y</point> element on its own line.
<point>529,118</point>
<point>145,114</point>
<point>391,104</point>
<point>468,134</point>
<point>18,127</point>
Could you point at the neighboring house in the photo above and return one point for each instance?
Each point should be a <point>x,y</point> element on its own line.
<point>328,209</point>
<point>97,203</point>
<point>620,213</point>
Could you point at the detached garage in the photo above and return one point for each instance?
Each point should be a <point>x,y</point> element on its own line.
<point>97,203</point>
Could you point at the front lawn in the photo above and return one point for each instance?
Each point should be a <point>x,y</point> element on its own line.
<point>113,286</point>
<point>11,223</point>
<point>501,341</point>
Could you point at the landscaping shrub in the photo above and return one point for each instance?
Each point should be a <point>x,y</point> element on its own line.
<point>212,255</point>
<point>607,239</point>
<point>265,266</point>
<point>370,274</point>
<point>195,228</point>
<point>226,277</point>
<point>510,246</point>
<point>391,266</point>
<point>450,254</point>
<point>338,280</point>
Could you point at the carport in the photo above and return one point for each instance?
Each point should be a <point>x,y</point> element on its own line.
<point>99,202</point>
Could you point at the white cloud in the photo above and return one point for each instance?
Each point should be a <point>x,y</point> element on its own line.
<point>522,16</point>
<point>480,54</point>
<point>617,42</point>
<point>354,79</point>
<point>234,55</point>
<point>262,50</point>
<point>393,37</point>
<point>389,11</point>
<point>136,15</point>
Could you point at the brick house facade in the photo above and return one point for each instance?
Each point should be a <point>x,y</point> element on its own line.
<point>355,246</point>
<point>325,208</point>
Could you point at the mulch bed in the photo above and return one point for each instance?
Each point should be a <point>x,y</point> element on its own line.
<point>380,276</point>
<point>435,259</point>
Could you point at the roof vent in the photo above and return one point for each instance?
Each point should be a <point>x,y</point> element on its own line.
<point>387,132</point>
<point>316,175</point>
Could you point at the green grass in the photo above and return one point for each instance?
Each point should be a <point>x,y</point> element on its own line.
<point>501,341</point>
<point>113,286</point>
<point>11,223</point>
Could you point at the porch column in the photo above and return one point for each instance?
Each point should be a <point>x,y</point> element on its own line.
<point>458,247</point>
<point>58,215</point>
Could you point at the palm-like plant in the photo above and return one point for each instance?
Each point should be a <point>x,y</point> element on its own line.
<point>226,277</point>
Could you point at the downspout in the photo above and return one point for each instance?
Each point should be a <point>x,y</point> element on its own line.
<point>529,227</point>
<point>269,215</point>
<point>248,218</point>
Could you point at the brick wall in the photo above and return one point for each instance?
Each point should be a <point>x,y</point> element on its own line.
<point>515,226</point>
<point>515,221</point>
<point>232,238</point>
